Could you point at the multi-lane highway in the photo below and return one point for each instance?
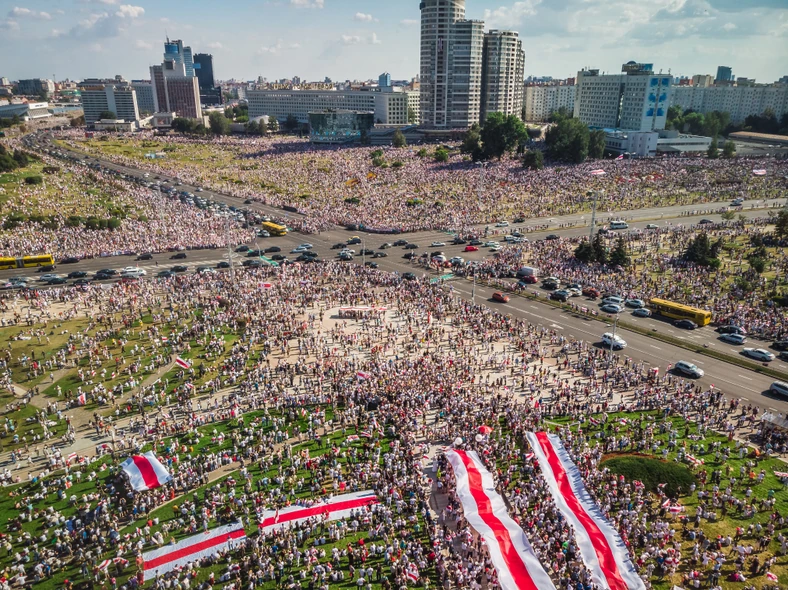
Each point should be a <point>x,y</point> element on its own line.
<point>732,379</point>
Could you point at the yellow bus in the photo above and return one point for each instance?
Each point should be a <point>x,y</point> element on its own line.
<point>680,312</point>
<point>7,262</point>
<point>274,228</point>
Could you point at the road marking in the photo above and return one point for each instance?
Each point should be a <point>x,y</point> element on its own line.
<point>743,377</point>
<point>697,362</point>
<point>533,307</point>
<point>556,326</point>
<point>657,347</point>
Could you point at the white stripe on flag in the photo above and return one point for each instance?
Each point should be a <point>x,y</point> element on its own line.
<point>184,364</point>
<point>601,547</point>
<point>512,555</point>
<point>336,508</point>
<point>145,472</point>
<point>169,557</point>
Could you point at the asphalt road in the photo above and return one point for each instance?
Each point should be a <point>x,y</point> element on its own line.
<point>733,380</point>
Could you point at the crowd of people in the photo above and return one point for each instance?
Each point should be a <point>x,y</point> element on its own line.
<point>340,185</point>
<point>288,401</point>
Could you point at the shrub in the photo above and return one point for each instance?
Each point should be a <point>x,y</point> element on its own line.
<point>376,154</point>
<point>413,202</point>
<point>73,221</point>
<point>421,153</point>
<point>34,179</point>
<point>397,164</point>
<point>652,472</point>
<point>441,155</point>
<point>353,200</point>
<point>378,161</point>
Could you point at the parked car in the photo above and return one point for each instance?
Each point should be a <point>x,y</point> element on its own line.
<point>379,255</point>
<point>500,297</point>
<point>635,303</point>
<point>437,244</point>
<point>560,295</point>
<point>411,246</point>
<point>731,329</point>
<point>759,354</point>
<point>733,338</point>
<point>146,256</point>
<point>401,242</point>
<point>642,313</point>
<point>591,292</point>
<point>614,341</point>
<point>780,345</point>
<point>685,324</point>
<point>77,274</point>
<point>611,308</point>
<point>223,264</point>
<point>779,388</point>
<point>688,369</point>
<point>471,249</point>
<point>180,268</point>
<point>273,249</point>
<point>70,260</point>
<point>409,276</point>
<point>178,256</point>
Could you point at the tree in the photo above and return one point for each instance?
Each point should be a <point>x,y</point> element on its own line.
<point>693,122</point>
<point>472,141</point>
<point>533,160</point>
<point>596,144</point>
<point>219,124</point>
<point>713,152</point>
<point>600,250</point>
<point>568,140</point>
<point>441,155</point>
<point>701,252</point>
<point>728,215</point>
<point>585,252</point>
<point>398,139</point>
<point>620,256</point>
<point>757,263</point>
<point>412,116</point>
<point>728,149</point>
<point>501,134</point>
<point>675,118</point>
<point>781,224</point>
<point>273,124</point>
<point>291,123</point>
<point>182,125</point>
<point>21,158</point>
<point>78,121</point>
<point>534,133</point>
<point>559,115</point>
<point>107,115</point>
<point>253,127</point>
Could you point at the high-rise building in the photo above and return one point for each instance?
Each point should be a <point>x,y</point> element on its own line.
<point>738,101</point>
<point>384,80</point>
<point>175,51</point>
<point>702,81</point>
<point>145,101</point>
<point>503,66</point>
<point>210,94</point>
<point>724,74</point>
<point>543,101</point>
<point>466,48</point>
<point>175,92</point>
<point>635,100</point>
<point>35,86</point>
<point>159,88</point>
<point>101,96</point>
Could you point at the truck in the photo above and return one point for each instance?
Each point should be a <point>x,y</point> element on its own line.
<point>527,271</point>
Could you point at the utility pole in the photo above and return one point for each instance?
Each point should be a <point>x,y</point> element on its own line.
<point>613,340</point>
<point>229,250</point>
<point>593,217</point>
<point>473,291</point>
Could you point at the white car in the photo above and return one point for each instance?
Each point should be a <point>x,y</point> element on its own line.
<point>733,338</point>
<point>496,249</point>
<point>437,244</point>
<point>350,251</point>
<point>457,260</point>
<point>491,244</point>
<point>502,224</point>
<point>759,354</point>
<point>133,273</point>
<point>574,291</point>
<point>298,250</point>
<point>613,341</point>
<point>689,369</point>
<point>306,246</point>
<point>48,276</point>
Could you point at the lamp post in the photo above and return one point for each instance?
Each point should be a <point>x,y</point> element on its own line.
<point>613,340</point>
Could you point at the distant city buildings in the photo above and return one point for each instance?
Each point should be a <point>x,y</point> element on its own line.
<point>740,101</point>
<point>724,74</point>
<point>384,80</point>
<point>635,100</point>
<point>145,100</point>
<point>175,90</point>
<point>541,101</point>
<point>503,67</point>
<point>176,52</point>
<point>210,94</point>
<point>35,86</point>
<point>101,96</point>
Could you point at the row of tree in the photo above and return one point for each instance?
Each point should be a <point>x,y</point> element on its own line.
<point>12,161</point>
<point>597,251</point>
<point>719,122</point>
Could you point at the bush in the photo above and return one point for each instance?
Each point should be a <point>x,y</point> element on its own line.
<point>441,155</point>
<point>397,164</point>
<point>378,161</point>
<point>353,200</point>
<point>113,223</point>
<point>652,472</point>
<point>413,202</point>
<point>376,154</point>
<point>34,179</point>
<point>421,153</point>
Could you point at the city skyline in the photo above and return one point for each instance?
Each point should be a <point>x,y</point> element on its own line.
<point>359,39</point>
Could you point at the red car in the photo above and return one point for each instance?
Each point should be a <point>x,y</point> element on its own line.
<point>591,292</point>
<point>471,248</point>
<point>530,279</point>
<point>498,296</point>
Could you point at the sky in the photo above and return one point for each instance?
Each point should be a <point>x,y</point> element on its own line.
<point>359,39</point>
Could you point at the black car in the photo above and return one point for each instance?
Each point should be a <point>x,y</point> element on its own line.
<point>178,256</point>
<point>371,264</point>
<point>46,268</point>
<point>278,257</point>
<point>57,281</point>
<point>379,255</point>
<point>180,268</point>
<point>101,276</point>
<point>77,274</point>
<point>409,276</point>
<point>411,246</point>
<point>519,219</point>
<point>337,246</point>
<point>108,271</point>
<point>248,202</point>
<point>310,254</point>
<point>780,345</point>
<point>559,296</point>
<point>273,249</point>
<point>70,260</point>
<point>551,237</point>
<point>410,255</point>
<point>685,324</point>
<point>705,222</point>
<point>476,243</point>
<point>731,329</point>
<point>254,253</point>
<point>366,252</point>
<point>145,257</point>
<point>550,285</point>
<point>223,264</point>
<point>252,263</point>
<point>303,258</point>
<point>80,282</point>
<point>353,241</point>
<point>165,274</point>
<point>783,356</point>
<point>242,248</point>
<point>459,241</point>
<point>401,242</point>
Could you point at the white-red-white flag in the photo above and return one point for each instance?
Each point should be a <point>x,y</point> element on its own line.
<point>183,364</point>
<point>145,471</point>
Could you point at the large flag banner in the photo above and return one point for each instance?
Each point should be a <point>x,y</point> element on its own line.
<point>601,547</point>
<point>183,364</point>
<point>514,559</point>
<point>336,508</point>
<point>167,558</point>
<point>145,472</point>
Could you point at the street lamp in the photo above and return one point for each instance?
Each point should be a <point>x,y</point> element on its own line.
<point>613,339</point>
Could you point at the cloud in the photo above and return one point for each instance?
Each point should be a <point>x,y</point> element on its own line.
<point>409,22</point>
<point>9,25</point>
<point>215,45</point>
<point>308,3</point>
<point>140,44</point>
<point>95,47</point>
<point>127,10</point>
<point>357,40</point>
<point>510,15</point>
<point>277,48</point>
<point>364,18</point>
<point>18,12</point>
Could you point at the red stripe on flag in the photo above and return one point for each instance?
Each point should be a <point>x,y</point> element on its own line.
<point>192,549</point>
<point>607,561</point>
<point>146,470</point>
<point>510,554</point>
<point>321,509</point>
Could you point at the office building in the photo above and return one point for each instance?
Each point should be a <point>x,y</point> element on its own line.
<point>339,126</point>
<point>542,101</point>
<point>739,101</point>
<point>702,81</point>
<point>35,86</point>
<point>4,81</point>
<point>145,101</point>
<point>210,94</point>
<point>384,80</point>
<point>724,74</point>
<point>503,65</point>
<point>115,96</point>
<point>635,100</point>
<point>389,105</point>
<point>26,111</point>
<point>175,51</point>
<point>450,65</point>
<point>175,92</point>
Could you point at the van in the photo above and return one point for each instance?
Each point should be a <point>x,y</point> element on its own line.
<point>619,225</point>
<point>527,271</point>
